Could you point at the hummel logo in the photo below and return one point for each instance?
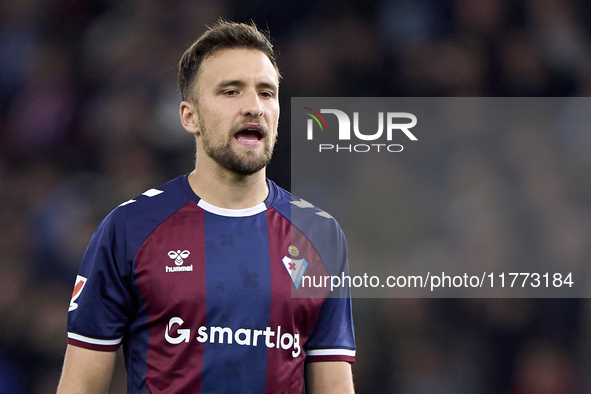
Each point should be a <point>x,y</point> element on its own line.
<point>178,258</point>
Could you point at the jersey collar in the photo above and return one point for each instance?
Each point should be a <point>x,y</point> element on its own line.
<point>230,212</point>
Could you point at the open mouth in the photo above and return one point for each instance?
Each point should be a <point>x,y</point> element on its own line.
<point>250,133</point>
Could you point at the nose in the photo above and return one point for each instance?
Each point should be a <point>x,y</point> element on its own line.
<point>252,106</point>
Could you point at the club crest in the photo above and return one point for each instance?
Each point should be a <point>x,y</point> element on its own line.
<point>295,267</point>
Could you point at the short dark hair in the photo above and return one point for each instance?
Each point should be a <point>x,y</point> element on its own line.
<point>223,35</point>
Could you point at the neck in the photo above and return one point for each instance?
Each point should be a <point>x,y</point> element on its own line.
<point>229,190</point>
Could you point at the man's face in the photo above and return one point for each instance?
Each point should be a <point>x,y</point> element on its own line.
<point>238,109</point>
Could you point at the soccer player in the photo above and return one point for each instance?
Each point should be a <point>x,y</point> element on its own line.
<point>195,277</point>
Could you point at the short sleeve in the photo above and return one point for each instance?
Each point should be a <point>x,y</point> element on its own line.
<point>101,302</point>
<point>333,337</point>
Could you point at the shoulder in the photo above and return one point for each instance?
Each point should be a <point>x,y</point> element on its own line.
<point>152,201</point>
<point>316,225</point>
<point>136,218</point>
<point>152,205</point>
<point>303,214</point>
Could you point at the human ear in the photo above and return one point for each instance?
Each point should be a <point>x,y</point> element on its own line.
<point>189,117</point>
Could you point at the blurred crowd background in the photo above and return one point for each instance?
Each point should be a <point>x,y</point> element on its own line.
<point>89,119</point>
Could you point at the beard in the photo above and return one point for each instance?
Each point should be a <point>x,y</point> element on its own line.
<point>246,162</point>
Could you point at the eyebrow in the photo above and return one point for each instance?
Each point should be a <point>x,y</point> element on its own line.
<point>240,83</point>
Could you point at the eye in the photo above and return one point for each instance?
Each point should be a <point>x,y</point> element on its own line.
<point>230,92</point>
<point>267,94</point>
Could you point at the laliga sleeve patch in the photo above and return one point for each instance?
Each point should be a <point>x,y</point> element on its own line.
<point>78,287</point>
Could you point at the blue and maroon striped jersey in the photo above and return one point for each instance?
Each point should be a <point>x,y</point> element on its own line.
<point>206,299</point>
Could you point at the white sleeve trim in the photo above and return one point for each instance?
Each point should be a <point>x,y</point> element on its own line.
<point>93,341</point>
<point>331,352</point>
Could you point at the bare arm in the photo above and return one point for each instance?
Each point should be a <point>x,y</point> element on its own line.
<point>86,371</point>
<point>329,377</point>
